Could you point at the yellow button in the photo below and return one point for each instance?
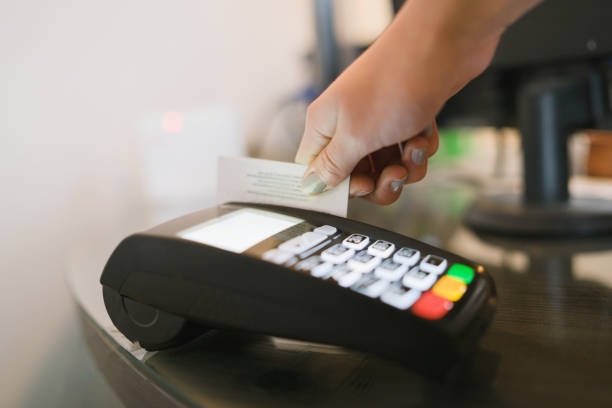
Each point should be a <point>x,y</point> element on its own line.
<point>449,288</point>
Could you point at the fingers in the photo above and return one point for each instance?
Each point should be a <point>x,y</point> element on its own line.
<point>361,185</point>
<point>332,165</point>
<point>392,177</point>
<point>389,185</point>
<point>330,156</point>
<point>431,133</point>
<point>319,129</point>
<point>414,158</point>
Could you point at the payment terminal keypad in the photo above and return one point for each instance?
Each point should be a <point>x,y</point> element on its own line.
<point>407,256</point>
<point>326,229</point>
<point>277,256</point>
<point>390,270</point>
<point>310,263</point>
<point>363,262</point>
<point>403,277</point>
<point>433,264</point>
<point>356,241</point>
<point>302,242</point>
<point>419,279</point>
<point>382,249</point>
<point>345,275</point>
<point>337,254</point>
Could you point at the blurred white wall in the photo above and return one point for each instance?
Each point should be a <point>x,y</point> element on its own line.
<point>84,86</point>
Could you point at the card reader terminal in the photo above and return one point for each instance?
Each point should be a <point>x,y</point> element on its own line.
<point>298,274</point>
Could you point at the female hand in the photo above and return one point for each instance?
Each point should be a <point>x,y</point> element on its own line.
<point>376,121</point>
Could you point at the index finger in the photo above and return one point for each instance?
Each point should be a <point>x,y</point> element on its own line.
<point>319,128</point>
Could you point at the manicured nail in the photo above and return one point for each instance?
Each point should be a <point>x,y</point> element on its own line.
<point>418,156</point>
<point>397,185</point>
<point>312,185</point>
<point>429,130</point>
<point>361,193</point>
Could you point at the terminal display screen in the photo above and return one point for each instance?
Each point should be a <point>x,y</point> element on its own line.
<point>239,230</point>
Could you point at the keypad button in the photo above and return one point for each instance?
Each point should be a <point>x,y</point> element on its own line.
<point>407,256</point>
<point>322,270</point>
<point>418,279</point>
<point>309,263</point>
<point>370,286</point>
<point>449,288</point>
<point>356,241</point>
<point>432,307</point>
<point>339,270</point>
<point>461,272</point>
<point>390,270</point>
<point>345,276</point>
<point>277,256</point>
<point>433,264</point>
<point>326,229</point>
<point>381,248</point>
<point>337,254</point>
<point>400,297</point>
<point>303,242</point>
<point>363,262</point>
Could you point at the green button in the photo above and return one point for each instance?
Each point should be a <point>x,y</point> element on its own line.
<point>461,272</point>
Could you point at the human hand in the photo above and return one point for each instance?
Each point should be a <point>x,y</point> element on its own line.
<point>379,175</point>
<point>392,93</point>
<point>379,131</point>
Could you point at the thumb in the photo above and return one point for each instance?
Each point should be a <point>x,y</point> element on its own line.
<point>330,155</point>
<point>332,165</point>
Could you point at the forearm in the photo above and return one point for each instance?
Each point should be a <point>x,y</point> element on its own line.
<point>394,90</point>
<point>445,43</point>
<point>466,20</point>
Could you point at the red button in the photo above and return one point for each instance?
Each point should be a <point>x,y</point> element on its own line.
<point>432,307</point>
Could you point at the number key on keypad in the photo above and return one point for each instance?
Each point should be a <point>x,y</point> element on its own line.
<point>356,241</point>
<point>418,279</point>
<point>390,270</point>
<point>337,254</point>
<point>371,286</point>
<point>363,262</point>
<point>433,264</point>
<point>407,256</point>
<point>322,270</point>
<point>400,297</point>
<point>345,276</point>
<point>381,248</point>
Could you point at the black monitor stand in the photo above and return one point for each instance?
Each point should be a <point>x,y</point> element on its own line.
<point>549,109</point>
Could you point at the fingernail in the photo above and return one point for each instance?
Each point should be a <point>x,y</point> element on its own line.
<point>361,193</point>
<point>418,156</point>
<point>429,130</point>
<point>312,185</point>
<point>397,185</point>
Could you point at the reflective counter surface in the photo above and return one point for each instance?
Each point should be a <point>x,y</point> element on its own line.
<point>550,343</point>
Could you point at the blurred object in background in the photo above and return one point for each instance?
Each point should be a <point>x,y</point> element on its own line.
<point>179,150</point>
<point>87,89</point>
<point>344,29</point>
<point>285,132</point>
<point>599,163</point>
<point>360,22</point>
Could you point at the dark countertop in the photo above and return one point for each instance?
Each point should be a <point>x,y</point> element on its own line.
<point>550,343</point>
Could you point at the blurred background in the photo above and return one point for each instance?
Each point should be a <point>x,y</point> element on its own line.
<point>112,115</point>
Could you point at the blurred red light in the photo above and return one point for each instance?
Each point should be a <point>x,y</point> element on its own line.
<point>172,122</point>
